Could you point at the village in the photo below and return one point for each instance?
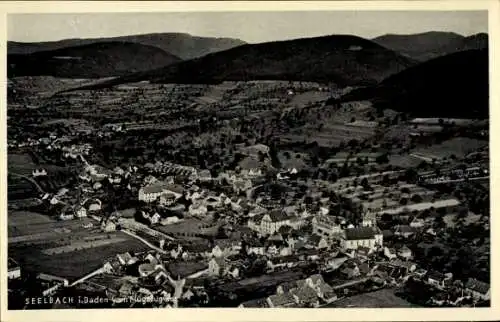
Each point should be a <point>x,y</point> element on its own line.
<point>163,234</point>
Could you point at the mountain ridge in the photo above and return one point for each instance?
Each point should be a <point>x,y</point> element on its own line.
<point>96,60</point>
<point>432,44</point>
<point>342,59</point>
<point>454,85</point>
<point>183,45</point>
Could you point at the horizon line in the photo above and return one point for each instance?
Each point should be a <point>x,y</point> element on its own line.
<point>250,43</point>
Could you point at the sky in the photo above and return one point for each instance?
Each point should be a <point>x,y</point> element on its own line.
<point>252,27</point>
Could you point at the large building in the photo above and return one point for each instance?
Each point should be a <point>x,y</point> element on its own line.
<point>324,225</point>
<point>269,223</point>
<point>151,192</point>
<point>369,237</point>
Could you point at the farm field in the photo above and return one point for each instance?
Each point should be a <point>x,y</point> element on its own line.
<point>380,299</point>
<point>459,147</point>
<point>22,227</point>
<point>73,264</point>
<point>188,227</point>
<point>24,218</point>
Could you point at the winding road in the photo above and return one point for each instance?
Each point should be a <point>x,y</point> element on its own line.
<point>29,179</point>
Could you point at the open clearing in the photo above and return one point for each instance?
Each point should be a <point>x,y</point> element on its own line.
<point>74,264</point>
<point>459,147</point>
<point>380,299</point>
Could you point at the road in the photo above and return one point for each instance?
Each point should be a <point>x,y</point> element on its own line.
<point>29,179</point>
<point>144,241</point>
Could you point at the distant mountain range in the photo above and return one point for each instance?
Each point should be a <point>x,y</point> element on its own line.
<point>455,85</point>
<point>95,60</point>
<point>429,45</point>
<point>181,45</point>
<point>341,59</point>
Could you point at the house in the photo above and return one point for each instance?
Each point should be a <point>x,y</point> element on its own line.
<point>66,216</point>
<point>407,266</point>
<point>420,273</point>
<point>112,267</point>
<point>95,205</point>
<point>477,289</point>
<point>14,270</point>
<point>255,246</point>
<point>362,236</point>
<point>363,252</point>
<point>405,253</point>
<point>146,269</point>
<point>81,212</point>
<point>282,262</point>
<point>281,300</point>
<point>324,225</point>
<point>326,293</point>
<point>269,223</point>
<point>390,253</point>
<point>305,296</point>
<point>197,209</point>
<point>417,223</point>
<point>152,191</point>
<point>204,176</point>
<point>350,270</point>
<point>108,226</point>
<point>335,262</point>
<point>257,303</point>
<point>127,289</point>
<point>437,279</point>
<point>126,259</point>
<point>154,219</point>
<point>167,199</point>
<point>317,242</point>
<point>170,220</point>
<point>216,266</point>
<point>404,231</point>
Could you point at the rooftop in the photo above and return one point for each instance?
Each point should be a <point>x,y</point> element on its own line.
<point>359,233</point>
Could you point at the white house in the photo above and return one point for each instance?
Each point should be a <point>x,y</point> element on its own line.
<point>14,270</point>
<point>81,212</point>
<point>151,192</point>
<point>269,223</point>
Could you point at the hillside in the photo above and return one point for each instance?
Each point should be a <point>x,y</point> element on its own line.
<point>340,59</point>
<point>429,45</point>
<point>181,45</point>
<point>90,61</point>
<point>454,85</point>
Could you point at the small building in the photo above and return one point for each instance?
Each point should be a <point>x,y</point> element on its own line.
<point>405,253</point>
<point>269,223</point>
<point>325,225</point>
<point>281,301</point>
<point>14,270</point>
<point>477,289</point>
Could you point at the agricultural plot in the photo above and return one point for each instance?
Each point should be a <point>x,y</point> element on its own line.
<point>21,164</point>
<point>459,147</point>
<point>333,134</point>
<point>24,218</point>
<point>379,299</point>
<point>304,99</point>
<point>188,228</point>
<point>73,264</point>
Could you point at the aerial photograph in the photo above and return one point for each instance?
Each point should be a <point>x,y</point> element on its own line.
<point>274,159</point>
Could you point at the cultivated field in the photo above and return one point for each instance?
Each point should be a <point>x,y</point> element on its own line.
<point>459,147</point>
<point>72,264</point>
<point>380,299</point>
